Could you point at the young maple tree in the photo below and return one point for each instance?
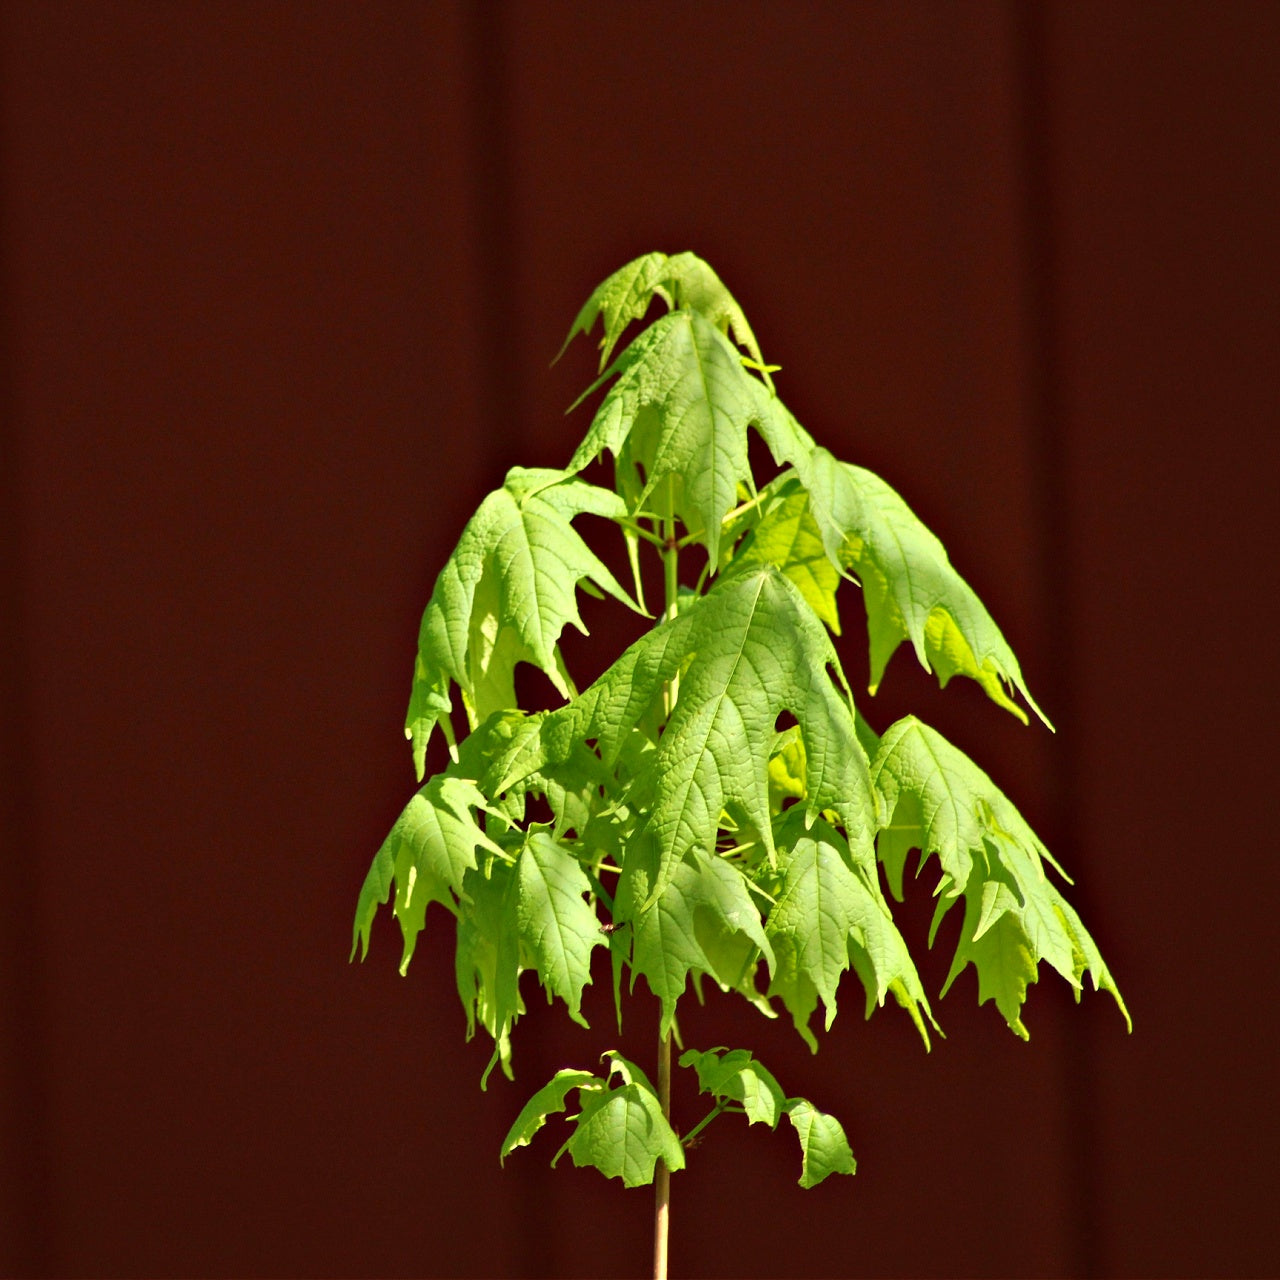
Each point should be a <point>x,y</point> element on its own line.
<point>688,835</point>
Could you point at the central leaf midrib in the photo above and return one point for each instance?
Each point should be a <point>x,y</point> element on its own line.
<point>836,957</point>
<point>524,550</point>
<point>561,927</point>
<point>951,802</point>
<point>713,523</point>
<point>719,700</point>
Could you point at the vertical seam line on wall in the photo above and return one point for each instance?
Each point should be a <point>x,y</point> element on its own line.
<point>500,402</point>
<point>25,1164</point>
<point>492,198</point>
<point>1047,427</point>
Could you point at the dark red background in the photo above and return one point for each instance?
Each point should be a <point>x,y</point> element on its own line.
<point>281,283</point>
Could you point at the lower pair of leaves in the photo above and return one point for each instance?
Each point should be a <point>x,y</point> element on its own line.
<point>622,1131</point>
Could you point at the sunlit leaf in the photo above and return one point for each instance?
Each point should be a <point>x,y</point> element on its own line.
<point>823,1146</point>
<point>505,595</point>
<point>910,589</point>
<point>621,1130</point>
<point>937,800</point>
<point>678,415</point>
<point>425,855</point>
<point>825,919</point>
<point>682,281</point>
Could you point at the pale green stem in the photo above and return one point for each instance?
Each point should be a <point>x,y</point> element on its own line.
<point>698,534</point>
<point>662,1175</point>
<point>635,527</point>
<point>718,1110</point>
<point>741,507</point>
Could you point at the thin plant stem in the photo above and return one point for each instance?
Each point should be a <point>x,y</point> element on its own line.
<point>718,1110</point>
<point>640,531</point>
<point>662,1175</point>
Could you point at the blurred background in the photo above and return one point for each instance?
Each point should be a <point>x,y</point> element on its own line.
<point>281,284</point>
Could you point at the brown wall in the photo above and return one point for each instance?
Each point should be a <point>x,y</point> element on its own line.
<point>280,286</point>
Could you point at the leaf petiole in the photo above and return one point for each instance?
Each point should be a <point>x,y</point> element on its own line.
<point>753,887</point>
<point>721,1108</point>
<point>627,522</point>
<point>598,889</point>
<point>742,508</point>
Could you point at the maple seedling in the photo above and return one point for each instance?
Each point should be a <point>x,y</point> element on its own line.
<point>681,829</point>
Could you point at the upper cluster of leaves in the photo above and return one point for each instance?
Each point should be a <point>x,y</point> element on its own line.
<point>689,834</point>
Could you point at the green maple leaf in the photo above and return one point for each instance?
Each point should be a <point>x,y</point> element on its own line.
<point>937,800</point>
<point>553,920</point>
<point>1004,936</point>
<point>489,752</point>
<point>786,535</point>
<point>530,913</point>
<point>787,769</point>
<point>681,281</point>
<point>1004,957</point>
<point>678,413</point>
<point>748,650</point>
<point>505,595</point>
<point>573,790</point>
<point>621,1131</point>
<point>703,921</point>
<point>757,650</point>
<point>825,919</point>
<point>824,1148</point>
<point>487,960</point>
<point>547,1101</point>
<point>909,587</point>
<point>425,856</point>
<point>735,1076</point>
